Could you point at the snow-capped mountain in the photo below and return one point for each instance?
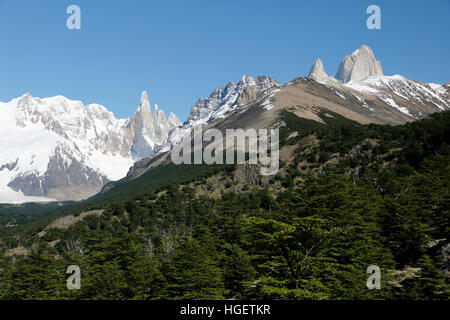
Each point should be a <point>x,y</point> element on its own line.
<point>59,149</point>
<point>223,102</point>
<point>225,99</point>
<point>56,148</point>
<point>361,76</point>
<point>359,92</point>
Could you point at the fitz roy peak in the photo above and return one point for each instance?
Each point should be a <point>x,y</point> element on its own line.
<point>60,149</point>
<point>359,65</point>
<point>384,99</point>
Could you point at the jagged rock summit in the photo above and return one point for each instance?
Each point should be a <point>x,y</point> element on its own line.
<point>223,102</point>
<point>317,71</point>
<point>174,120</point>
<point>149,132</point>
<point>59,149</point>
<point>359,65</point>
<point>225,99</point>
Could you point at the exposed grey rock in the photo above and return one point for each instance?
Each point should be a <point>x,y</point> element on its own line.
<point>161,125</point>
<point>250,174</point>
<point>65,179</point>
<point>359,65</point>
<point>149,132</point>
<point>446,257</point>
<point>143,130</point>
<point>174,121</point>
<point>317,72</point>
<point>225,99</point>
<point>10,166</point>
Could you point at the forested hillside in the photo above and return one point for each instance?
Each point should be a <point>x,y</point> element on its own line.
<point>347,196</point>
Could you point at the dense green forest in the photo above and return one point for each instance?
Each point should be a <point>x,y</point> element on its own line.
<point>349,196</point>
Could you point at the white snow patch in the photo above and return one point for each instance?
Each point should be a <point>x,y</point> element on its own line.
<point>267,103</point>
<point>392,103</point>
<point>437,87</point>
<point>8,195</point>
<point>361,86</point>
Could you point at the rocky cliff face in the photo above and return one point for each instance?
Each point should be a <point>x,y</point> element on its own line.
<point>149,132</point>
<point>317,71</point>
<point>142,129</point>
<point>361,76</point>
<point>174,121</point>
<point>225,99</point>
<point>221,103</point>
<point>359,65</point>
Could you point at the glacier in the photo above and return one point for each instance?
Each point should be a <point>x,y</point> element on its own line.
<point>59,149</point>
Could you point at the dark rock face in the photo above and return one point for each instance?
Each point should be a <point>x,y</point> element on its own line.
<point>250,174</point>
<point>66,179</point>
<point>10,166</point>
<point>446,257</point>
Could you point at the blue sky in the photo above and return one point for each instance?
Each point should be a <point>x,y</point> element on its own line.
<point>180,50</point>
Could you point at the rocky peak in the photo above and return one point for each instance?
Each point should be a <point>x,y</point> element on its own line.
<point>57,145</point>
<point>143,116</point>
<point>142,130</point>
<point>158,116</point>
<point>145,104</point>
<point>144,113</point>
<point>226,98</point>
<point>174,121</point>
<point>149,132</point>
<point>317,71</point>
<point>247,81</point>
<point>266,82</point>
<point>359,65</point>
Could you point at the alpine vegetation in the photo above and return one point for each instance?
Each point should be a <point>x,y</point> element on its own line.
<point>261,148</point>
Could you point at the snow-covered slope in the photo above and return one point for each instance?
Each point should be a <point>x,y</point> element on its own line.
<point>225,99</point>
<point>56,148</point>
<point>361,76</point>
<point>408,96</point>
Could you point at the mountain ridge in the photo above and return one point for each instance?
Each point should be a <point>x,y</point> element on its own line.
<point>93,137</point>
<point>365,95</point>
<point>59,149</point>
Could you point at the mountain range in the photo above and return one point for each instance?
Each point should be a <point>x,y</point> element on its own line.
<point>59,149</point>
